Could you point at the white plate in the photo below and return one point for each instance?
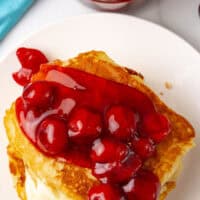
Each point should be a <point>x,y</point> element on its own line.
<point>157,53</point>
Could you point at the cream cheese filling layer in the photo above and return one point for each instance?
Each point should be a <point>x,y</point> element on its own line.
<point>37,190</point>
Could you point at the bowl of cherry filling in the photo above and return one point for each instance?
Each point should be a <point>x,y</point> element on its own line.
<point>113,5</point>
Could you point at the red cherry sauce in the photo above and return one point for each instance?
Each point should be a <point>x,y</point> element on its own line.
<point>95,123</point>
<point>30,60</point>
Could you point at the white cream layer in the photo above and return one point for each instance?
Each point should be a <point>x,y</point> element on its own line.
<point>37,190</point>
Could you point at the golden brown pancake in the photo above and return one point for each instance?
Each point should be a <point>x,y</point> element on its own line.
<point>68,181</point>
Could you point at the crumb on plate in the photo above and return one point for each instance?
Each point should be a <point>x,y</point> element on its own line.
<point>168,85</point>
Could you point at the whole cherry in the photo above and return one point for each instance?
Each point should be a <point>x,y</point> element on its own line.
<point>108,150</point>
<point>156,126</point>
<point>144,186</point>
<point>39,94</point>
<point>120,122</point>
<point>144,147</point>
<point>51,135</point>
<point>84,125</point>
<point>23,76</point>
<point>105,192</point>
<point>31,58</point>
<point>118,171</point>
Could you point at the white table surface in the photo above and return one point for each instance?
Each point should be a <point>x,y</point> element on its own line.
<point>180,16</point>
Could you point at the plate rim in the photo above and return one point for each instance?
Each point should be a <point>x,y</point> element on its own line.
<point>102,14</point>
<point>65,20</point>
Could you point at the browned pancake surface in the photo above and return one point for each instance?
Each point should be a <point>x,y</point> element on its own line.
<point>75,181</point>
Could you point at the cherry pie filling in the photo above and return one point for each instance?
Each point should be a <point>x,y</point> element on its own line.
<point>94,123</point>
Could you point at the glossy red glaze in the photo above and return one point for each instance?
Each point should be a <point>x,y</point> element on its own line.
<point>144,147</point>
<point>144,186</point>
<point>51,135</point>
<point>121,122</point>
<point>39,94</point>
<point>108,150</point>
<point>30,60</point>
<point>156,126</point>
<point>118,171</point>
<point>84,125</point>
<point>23,76</point>
<point>105,192</point>
<point>73,89</point>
